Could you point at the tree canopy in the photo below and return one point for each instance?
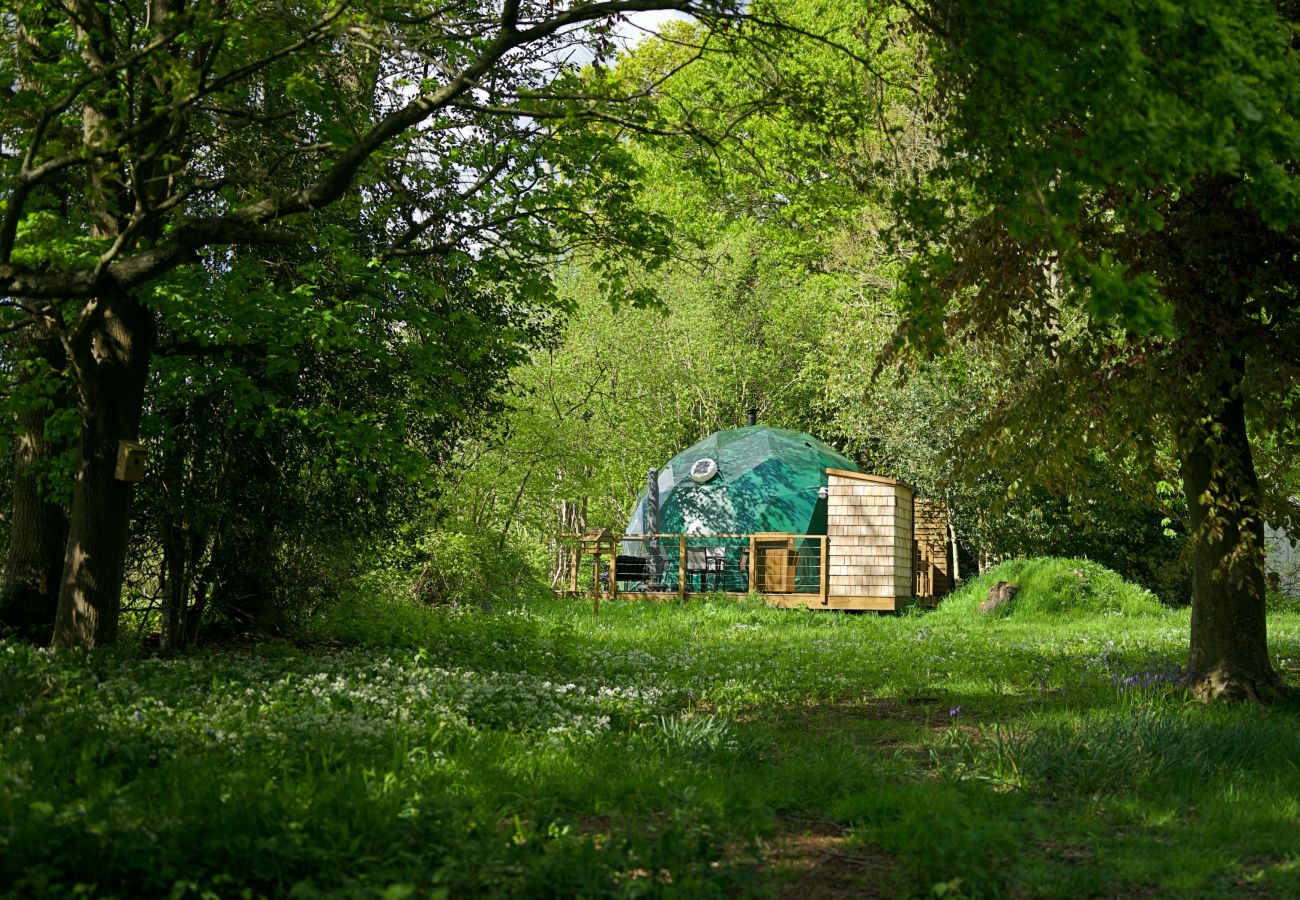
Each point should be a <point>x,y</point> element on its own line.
<point>1117,185</point>
<point>410,154</point>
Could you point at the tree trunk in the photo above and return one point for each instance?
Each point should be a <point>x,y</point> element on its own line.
<point>184,553</point>
<point>1228,657</point>
<point>573,520</point>
<point>175,588</point>
<point>111,367</point>
<point>514,507</point>
<point>38,527</point>
<point>181,527</point>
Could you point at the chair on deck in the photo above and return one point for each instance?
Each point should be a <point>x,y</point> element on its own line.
<point>703,562</point>
<point>631,568</point>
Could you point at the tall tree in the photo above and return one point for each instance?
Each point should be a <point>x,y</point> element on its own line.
<point>182,127</point>
<point>29,594</point>
<point>38,524</point>
<point>1125,173</point>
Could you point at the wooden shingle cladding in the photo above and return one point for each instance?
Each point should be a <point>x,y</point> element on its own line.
<point>869,523</point>
<point>933,550</point>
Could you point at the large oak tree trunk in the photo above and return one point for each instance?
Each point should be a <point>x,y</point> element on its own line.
<point>38,527</point>
<point>1213,257</point>
<point>111,343</point>
<point>111,370</point>
<point>1228,656</point>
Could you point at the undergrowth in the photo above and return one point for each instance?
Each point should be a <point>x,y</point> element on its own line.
<point>538,749</point>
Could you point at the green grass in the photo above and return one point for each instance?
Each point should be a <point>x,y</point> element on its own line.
<point>1053,589</point>
<point>705,749</point>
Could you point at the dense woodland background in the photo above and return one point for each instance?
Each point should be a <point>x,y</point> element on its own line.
<point>392,292</point>
<point>390,299</point>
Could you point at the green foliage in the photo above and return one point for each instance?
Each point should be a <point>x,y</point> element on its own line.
<point>1277,601</point>
<point>1099,201</point>
<point>1052,589</point>
<point>784,302</point>
<point>936,426</point>
<point>323,377</point>
<point>472,568</point>
<point>336,241</point>
<point>622,390</point>
<point>1090,113</point>
<point>650,750</point>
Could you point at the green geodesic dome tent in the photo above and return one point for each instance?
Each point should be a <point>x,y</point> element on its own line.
<point>767,479</point>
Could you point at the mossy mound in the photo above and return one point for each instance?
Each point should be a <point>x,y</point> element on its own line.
<point>1053,588</point>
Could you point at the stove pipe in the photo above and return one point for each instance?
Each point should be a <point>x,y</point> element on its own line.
<point>650,521</point>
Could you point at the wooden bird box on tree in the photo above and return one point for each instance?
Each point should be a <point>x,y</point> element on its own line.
<point>131,458</point>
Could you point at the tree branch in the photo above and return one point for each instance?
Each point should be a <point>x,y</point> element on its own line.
<point>246,224</point>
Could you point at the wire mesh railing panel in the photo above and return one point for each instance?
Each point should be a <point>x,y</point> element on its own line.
<point>766,563</point>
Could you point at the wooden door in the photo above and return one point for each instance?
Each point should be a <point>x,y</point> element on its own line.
<point>776,558</point>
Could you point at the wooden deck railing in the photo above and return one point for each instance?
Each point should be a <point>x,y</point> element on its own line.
<point>664,565</point>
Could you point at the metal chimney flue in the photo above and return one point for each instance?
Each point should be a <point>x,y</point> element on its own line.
<point>753,417</point>
<point>652,501</point>
<point>650,522</point>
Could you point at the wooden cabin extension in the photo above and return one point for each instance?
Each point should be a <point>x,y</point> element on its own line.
<point>869,526</point>
<point>936,564</point>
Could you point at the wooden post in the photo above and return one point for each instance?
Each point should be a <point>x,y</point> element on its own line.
<point>595,584</point>
<point>919,579</point>
<point>681,566</point>
<point>826,571</point>
<point>753,565</point>
<point>573,572</point>
<point>613,571</point>
<point>955,571</point>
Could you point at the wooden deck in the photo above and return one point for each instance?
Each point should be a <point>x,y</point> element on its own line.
<point>868,567</point>
<point>781,601</point>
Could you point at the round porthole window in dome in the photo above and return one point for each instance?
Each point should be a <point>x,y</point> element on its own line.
<point>703,470</point>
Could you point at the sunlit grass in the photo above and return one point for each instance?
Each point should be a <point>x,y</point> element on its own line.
<point>654,749</point>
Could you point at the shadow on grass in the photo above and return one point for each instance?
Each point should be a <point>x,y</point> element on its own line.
<point>792,753</point>
<point>1153,797</point>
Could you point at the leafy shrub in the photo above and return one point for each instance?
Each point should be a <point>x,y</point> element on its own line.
<point>1280,602</point>
<point>448,568</point>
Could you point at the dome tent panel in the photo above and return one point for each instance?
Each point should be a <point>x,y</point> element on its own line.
<point>767,480</point>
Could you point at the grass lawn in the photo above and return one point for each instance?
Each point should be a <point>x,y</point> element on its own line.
<point>705,749</point>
